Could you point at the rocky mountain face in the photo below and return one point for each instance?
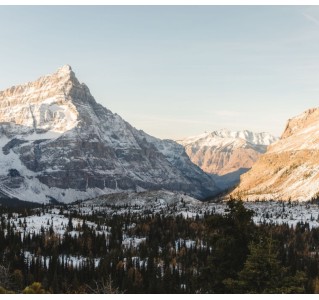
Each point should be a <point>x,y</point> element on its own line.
<point>226,154</point>
<point>290,167</point>
<point>58,143</point>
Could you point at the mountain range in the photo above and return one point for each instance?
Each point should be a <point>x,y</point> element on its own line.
<point>226,154</point>
<point>58,143</point>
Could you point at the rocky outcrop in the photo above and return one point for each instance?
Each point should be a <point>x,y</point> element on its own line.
<point>66,146</point>
<point>289,170</point>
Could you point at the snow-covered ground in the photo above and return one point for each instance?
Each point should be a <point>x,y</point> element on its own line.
<point>169,203</point>
<point>38,222</point>
<point>69,260</point>
<point>160,202</point>
<point>148,203</point>
<point>274,212</point>
<point>144,204</point>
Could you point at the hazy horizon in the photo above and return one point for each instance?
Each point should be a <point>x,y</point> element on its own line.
<point>174,71</point>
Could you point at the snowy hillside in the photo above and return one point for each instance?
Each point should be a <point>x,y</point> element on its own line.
<point>289,169</point>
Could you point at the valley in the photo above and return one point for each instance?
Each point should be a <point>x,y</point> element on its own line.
<point>149,242</point>
<point>90,204</point>
<point>159,149</point>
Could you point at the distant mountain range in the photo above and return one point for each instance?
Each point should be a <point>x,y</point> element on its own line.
<point>226,154</point>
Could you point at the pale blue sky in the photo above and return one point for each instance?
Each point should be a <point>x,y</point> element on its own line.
<point>174,71</point>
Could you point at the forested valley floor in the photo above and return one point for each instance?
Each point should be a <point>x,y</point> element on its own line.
<point>64,249</point>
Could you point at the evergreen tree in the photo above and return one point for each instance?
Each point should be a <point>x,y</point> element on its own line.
<point>263,273</point>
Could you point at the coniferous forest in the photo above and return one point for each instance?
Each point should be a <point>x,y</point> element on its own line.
<point>210,254</point>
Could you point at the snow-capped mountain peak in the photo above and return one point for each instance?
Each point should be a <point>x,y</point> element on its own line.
<point>215,137</point>
<point>225,152</point>
<point>64,70</point>
<point>62,144</point>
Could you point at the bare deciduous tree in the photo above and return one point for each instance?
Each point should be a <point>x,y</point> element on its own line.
<point>104,287</point>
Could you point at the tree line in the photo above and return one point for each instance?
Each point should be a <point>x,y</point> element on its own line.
<point>213,254</point>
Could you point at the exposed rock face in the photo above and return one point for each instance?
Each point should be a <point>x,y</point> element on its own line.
<point>227,154</point>
<point>43,105</point>
<point>290,167</point>
<point>66,146</point>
